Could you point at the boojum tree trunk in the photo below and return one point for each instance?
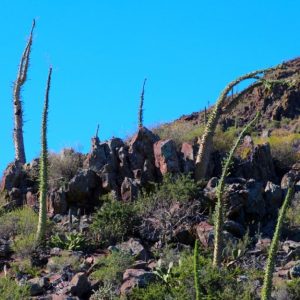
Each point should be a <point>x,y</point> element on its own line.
<point>206,141</point>
<point>220,190</point>
<point>17,103</point>
<point>43,176</point>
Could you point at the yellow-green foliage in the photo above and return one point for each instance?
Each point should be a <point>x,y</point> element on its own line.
<point>223,140</point>
<point>281,143</point>
<point>66,258</point>
<point>110,268</point>
<point>11,290</point>
<point>24,266</point>
<point>293,214</point>
<point>179,131</point>
<point>20,225</point>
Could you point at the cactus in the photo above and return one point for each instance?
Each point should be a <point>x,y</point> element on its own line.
<point>267,285</point>
<point>220,189</point>
<point>141,107</point>
<point>43,176</point>
<point>196,270</point>
<point>17,103</point>
<point>206,143</point>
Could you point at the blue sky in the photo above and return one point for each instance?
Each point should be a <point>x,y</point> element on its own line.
<point>102,50</point>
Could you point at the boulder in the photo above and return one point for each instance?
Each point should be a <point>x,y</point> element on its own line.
<point>205,233</point>
<point>129,189</point>
<point>273,197</point>
<point>84,188</point>
<point>187,158</point>
<point>80,285</point>
<point>57,202</point>
<point>13,177</point>
<point>140,149</point>
<point>135,278</point>
<point>166,159</point>
<point>135,248</point>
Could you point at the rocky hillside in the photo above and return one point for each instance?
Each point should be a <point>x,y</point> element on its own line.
<point>120,214</point>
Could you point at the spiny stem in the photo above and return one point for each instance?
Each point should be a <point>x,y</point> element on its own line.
<point>43,180</point>
<point>220,189</point>
<point>17,103</point>
<point>141,107</point>
<point>267,285</point>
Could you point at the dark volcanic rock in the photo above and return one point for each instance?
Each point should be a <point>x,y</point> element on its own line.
<point>166,159</point>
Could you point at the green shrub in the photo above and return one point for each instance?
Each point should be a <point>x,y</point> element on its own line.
<point>11,290</point>
<point>110,268</point>
<point>20,225</point>
<point>281,143</point>
<point>293,289</point>
<point>63,166</point>
<point>66,258</point>
<point>113,222</point>
<point>181,188</point>
<point>24,266</point>
<point>68,241</point>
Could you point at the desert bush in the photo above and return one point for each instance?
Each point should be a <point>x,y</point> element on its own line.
<point>178,131</point>
<point>110,268</point>
<point>293,212</point>
<point>63,166</point>
<point>181,188</point>
<point>11,290</point>
<point>65,259</point>
<point>68,241</point>
<point>282,146</point>
<point>113,222</point>
<point>104,292</point>
<point>20,225</point>
<point>215,284</point>
<point>24,266</point>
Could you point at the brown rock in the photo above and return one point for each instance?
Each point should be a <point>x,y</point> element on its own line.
<point>166,159</point>
<point>205,233</point>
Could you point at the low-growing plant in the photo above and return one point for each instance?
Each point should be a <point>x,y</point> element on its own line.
<point>113,222</point>
<point>65,259</point>
<point>11,290</point>
<point>68,241</point>
<point>104,292</point>
<point>110,268</point>
<point>20,226</point>
<point>24,266</point>
<point>63,166</point>
<point>181,188</point>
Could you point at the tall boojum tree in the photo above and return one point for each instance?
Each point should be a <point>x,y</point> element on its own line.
<point>17,103</point>
<point>43,177</point>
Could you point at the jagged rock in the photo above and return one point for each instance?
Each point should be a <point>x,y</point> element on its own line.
<point>36,286</point>
<point>259,166</point>
<point>135,248</point>
<point>4,248</point>
<point>187,158</point>
<point>108,178</point>
<point>16,196</point>
<point>140,149</point>
<point>183,235</point>
<point>234,228</point>
<point>273,197</point>
<point>166,159</point>
<point>97,158</point>
<point>205,233</point>
<point>57,202</point>
<point>80,285</point>
<point>255,206</point>
<point>13,177</point>
<point>129,189</point>
<point>293,176</point>
<point>31,198</point>
<point>83,188</point>
<point>135,278</point>
<point>295,271</point>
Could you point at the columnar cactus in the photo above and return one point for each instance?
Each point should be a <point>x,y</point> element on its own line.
<point>141,107</point>
<point>267,285</point>
<point>197,270</point>
<point>220,189</point>
<point>17,103</point>
<point>206,142</point>
<point>43,177</point>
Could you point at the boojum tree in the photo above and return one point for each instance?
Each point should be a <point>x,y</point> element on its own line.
<point>219,211</point>
<point>43,175</point>
<point>17,102</point>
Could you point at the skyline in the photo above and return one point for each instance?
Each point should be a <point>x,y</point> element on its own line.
<point>101,53</point>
